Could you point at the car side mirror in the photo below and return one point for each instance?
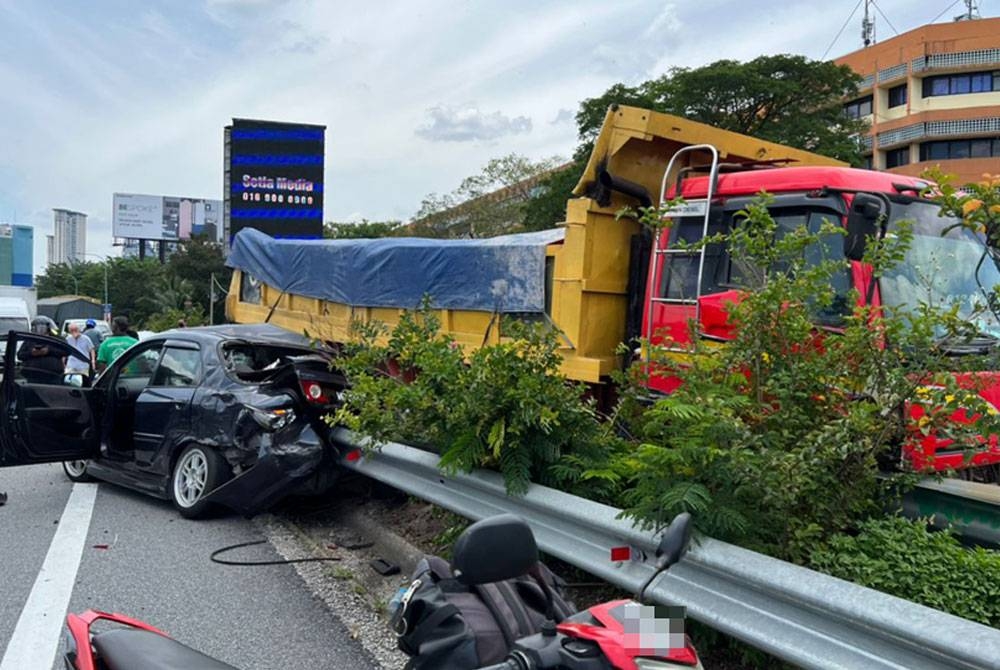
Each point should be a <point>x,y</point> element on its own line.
<point>863,223</point>
<point>77,379</point>
<point>674,542</point>
<point>494,549</point>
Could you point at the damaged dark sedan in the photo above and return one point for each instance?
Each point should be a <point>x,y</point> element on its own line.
<point>230,415</point>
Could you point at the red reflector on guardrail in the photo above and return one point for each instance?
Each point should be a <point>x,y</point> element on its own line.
<point>621,554</point>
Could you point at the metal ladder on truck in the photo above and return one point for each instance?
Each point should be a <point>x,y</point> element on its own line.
<point>660,256</point>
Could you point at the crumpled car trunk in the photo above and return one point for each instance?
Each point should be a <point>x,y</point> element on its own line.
<point>295,457</point>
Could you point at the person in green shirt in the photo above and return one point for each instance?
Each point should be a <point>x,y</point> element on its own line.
<point>116,345</point>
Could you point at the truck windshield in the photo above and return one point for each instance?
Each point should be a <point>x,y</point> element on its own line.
<point>940,269</point>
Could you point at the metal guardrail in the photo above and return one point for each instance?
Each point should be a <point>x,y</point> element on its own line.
<point>800,616</point>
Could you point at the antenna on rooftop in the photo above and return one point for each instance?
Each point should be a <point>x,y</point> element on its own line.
<point>868,25</point>
<point>971,11</point>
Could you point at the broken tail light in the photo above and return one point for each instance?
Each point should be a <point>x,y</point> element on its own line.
<point>314,392</point>
<point>271,419</point>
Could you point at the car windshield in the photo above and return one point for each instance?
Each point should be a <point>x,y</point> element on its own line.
<point>9,323</point>
<point>939,269</point>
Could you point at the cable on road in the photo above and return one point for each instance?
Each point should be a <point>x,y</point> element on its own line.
<point>215,556</point>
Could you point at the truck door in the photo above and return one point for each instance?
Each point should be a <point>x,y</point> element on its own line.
<point>45,416</point>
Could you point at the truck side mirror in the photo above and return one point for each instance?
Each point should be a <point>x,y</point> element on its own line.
<point>862,223</point>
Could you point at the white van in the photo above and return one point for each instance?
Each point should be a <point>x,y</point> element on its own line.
<point>14,315</point>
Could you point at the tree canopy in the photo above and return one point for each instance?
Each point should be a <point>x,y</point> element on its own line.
<point>783,98</point>
<point>353,230</point>
<point>490,202</point>
<point>143,289</point>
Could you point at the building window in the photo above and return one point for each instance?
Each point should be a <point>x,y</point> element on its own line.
<point>952,149</point>
<point>897,96</point>
<point>859,108</point>
<point>867,163</point>
<point>897,157</point>
<point>959,84</point>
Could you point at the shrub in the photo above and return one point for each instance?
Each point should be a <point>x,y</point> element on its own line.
<point>504,406</point>
<point>775,439</point>
<point>905,559</point>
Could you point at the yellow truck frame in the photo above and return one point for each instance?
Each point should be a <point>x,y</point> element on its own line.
<point>587,273</point>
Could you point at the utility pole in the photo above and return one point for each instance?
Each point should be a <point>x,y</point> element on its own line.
<point>971,11</point>
<point>211,300</point>
<point>868,25</point>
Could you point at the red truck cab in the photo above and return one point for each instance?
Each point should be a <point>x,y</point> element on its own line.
<point>686,287</point>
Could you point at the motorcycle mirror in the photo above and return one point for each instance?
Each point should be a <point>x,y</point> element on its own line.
<point>494,549</point>
<point>674,542</point>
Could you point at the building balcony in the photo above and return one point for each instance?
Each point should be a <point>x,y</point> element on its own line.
<point>916,132</point>
<point>957,60</point>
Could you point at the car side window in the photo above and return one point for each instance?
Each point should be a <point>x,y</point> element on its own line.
<point>40,361</point>
<point>140,364</point>
<point>178,367</point>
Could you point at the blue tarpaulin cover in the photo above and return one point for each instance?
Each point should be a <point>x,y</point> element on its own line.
<point>502,274</point>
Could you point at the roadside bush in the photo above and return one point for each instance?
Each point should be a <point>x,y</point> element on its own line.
<point>905,559</point>
<point>169,318</point>
<point>503,406</point>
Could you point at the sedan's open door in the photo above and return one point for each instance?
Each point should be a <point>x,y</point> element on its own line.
<point>45,416</point>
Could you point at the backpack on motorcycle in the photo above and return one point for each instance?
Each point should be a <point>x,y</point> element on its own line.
<point>443,624</point>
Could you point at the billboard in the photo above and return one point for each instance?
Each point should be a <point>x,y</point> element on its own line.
<point>160,217</point>
<point>273,178</point>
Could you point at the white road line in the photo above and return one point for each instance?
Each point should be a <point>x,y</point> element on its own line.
<point>37,634</point>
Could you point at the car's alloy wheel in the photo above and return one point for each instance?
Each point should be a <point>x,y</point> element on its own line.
<point>76,471</point>
<point>198,471</point>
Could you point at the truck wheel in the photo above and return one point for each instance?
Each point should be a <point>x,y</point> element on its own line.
<point>198,471</point>
<point>76,471</point>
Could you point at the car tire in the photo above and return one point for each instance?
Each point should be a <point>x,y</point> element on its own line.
<point>76,471</point>
<point>198,471</point>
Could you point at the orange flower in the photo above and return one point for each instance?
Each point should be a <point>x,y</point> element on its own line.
<point>994,209</point>
<point>971,205</point>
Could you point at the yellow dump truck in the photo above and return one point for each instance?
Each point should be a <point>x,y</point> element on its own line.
<point>587,278</point>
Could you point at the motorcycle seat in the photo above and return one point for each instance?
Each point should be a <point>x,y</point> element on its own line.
<point>134,649</point>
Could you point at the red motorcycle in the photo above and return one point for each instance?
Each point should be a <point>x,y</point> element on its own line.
<point>617,635</point>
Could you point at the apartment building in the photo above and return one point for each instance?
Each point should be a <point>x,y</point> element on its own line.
<point>932,96</point>
<point>68,244</point>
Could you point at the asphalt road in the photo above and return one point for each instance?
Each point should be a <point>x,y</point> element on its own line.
<point>156,567</point>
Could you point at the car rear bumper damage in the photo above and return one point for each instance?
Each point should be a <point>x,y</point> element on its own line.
<point>295,459</point>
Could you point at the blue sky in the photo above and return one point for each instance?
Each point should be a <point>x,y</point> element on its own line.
<point>128,96</point>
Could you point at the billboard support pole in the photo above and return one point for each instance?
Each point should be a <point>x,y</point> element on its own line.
<point>211,299</point>
<point>142,250</point>
<point>163,252</point>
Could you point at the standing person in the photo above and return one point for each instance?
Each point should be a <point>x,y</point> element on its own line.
<point>85,346</point>
<point>91,331</point>
<point>39,364</point>
<point>116,345</point>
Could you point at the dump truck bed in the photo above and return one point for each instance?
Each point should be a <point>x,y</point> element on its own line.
<point>586,276</point>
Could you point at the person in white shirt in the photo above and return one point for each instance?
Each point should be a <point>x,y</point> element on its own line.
<point>85,346</point>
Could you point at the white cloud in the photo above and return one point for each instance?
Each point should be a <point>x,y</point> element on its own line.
<point>467,123</point>
<point>563,116</point>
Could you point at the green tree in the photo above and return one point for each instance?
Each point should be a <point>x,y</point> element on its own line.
<point>194,263</point>
<point>781,98</point>
<point>129,281</point>
<point>363,229</point>
<point>547,207</point>
<point>492,202</point>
